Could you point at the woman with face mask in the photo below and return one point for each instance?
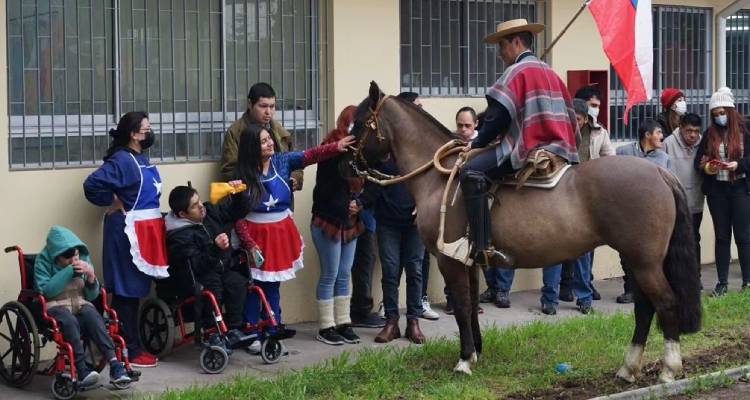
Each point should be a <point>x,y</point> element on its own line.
<point>133,252</point>
<point>723,157</point>
<point>675,106</point>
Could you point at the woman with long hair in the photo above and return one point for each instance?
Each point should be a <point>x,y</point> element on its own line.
<point>269,226</point>
<point>723,158</point>
<point>335,227</point>
<point>134,248</point>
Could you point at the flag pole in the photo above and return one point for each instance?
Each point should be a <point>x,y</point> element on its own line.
<point>549,48</point>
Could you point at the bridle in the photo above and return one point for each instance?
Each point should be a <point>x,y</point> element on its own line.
<point>372,127</point>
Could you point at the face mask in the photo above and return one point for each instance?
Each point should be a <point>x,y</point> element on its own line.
<point>594,112</point>
<point>148,141</point>
<point>680,107</point>
<point>721,120</point>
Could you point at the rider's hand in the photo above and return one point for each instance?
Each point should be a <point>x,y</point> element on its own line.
<point>345,142</point>
<point>222,241</point>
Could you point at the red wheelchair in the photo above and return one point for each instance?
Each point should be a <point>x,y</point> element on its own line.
<point>174,308</point>
<point>25,327</point>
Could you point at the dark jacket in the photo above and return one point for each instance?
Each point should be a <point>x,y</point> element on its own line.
<point>332,195</point>
<point>394,205</point>
<point>193,243</point>
<point>743,165</point>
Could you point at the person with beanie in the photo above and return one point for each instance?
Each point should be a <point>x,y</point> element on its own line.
<point>723,158</point>
<point>335,227</point>
<point>675,106</point>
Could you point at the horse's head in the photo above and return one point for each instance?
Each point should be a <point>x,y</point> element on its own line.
<point>373,145</point>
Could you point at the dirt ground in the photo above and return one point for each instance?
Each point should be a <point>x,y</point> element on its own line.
<point>735,352</point>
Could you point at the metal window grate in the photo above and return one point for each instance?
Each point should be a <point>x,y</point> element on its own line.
<point>74,66</point>
<point>683,54</point>
<point>442,53</point>
<point>738,59</point>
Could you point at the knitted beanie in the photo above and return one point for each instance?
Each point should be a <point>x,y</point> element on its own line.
<point>722,98</point>
<point>669,96</point>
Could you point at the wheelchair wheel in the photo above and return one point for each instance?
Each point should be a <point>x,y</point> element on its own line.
<point>63,387</point>
<point>270,351</point>
<point>214,359</point>
<point>156,327</point>
<point>19,344</point>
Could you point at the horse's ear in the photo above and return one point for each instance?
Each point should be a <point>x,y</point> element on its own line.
<point>375,93</point>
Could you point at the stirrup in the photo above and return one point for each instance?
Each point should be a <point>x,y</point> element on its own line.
<point>493,257</point>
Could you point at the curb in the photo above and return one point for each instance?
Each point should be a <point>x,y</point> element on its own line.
<point>673,388</point>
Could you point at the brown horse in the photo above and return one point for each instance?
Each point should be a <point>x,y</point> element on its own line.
<point>627,203</point>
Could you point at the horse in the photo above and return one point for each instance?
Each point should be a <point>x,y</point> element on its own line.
<point>630,204</point>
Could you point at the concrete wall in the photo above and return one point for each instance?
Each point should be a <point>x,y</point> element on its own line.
<point>364,46</point>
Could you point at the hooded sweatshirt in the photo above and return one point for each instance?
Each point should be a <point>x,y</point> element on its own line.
<point>60,284</point>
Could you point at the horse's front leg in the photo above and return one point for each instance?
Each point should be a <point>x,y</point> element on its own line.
<point>457,279</point>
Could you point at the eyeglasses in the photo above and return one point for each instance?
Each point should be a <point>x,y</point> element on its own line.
<point>70,253</point>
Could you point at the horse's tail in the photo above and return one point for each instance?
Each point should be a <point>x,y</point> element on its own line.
<point>681,265</point>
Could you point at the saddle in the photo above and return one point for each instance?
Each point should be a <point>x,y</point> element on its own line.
<point>543,170</point>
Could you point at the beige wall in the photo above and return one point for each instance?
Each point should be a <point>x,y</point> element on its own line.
<point>364,46</point>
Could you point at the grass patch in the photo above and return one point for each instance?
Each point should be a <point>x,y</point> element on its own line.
<point>515,361</point>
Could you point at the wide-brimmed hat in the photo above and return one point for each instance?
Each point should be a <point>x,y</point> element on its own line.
<point>513,26</point>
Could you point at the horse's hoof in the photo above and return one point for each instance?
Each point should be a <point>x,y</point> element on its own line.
<point>666,376</point>
<point>474,358</point>
<point>463,367</point>
<point>625,374</point>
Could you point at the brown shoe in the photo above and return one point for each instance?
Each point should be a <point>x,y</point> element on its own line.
<point>413,332</point>
<point>389,332</point>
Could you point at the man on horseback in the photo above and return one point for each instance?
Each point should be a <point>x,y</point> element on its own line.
<point>528,108</point>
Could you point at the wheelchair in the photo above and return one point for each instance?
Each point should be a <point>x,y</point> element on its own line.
<point>25,327</point>
<point>174,308</point>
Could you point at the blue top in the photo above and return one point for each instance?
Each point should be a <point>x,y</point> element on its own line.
<point>394,206</point>
<point>656,156</point>
<point>278,194</point>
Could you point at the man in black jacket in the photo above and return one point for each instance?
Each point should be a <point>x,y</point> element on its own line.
<point>197,239</point>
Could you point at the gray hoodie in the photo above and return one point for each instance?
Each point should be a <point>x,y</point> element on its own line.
<point>682,158</point>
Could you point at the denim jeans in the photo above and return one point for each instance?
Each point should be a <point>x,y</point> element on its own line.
<point>497,278</point>
<point>581,284</point>
<point>401,249</point>
<point>550,280</point>
<point>87,323</point>
<point>336,260</point>
<point>729,205</point>
<point>362,269</point>
<point>253,306</point>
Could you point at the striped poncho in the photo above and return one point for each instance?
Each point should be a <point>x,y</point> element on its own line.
<point>541,111</point>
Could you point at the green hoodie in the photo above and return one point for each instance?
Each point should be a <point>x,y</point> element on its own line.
<point>51,279</point>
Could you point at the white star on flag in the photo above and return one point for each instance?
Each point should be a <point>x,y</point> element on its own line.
<point>271,202</point>
<point>157,185</point>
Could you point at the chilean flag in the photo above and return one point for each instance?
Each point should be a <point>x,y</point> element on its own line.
<point>627,35</point>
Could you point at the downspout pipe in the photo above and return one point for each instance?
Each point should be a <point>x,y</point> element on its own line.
<point>721,38</point>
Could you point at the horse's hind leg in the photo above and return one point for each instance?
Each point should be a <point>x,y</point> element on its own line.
<point>653,285</point>
<point>457,278</point>
<point>474,295</point>
<point>644,313</point>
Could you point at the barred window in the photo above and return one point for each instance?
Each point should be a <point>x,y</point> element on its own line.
<point>683,48</point>
<point>442,52</point>
<point>75,66</point>
<point>738,59</point>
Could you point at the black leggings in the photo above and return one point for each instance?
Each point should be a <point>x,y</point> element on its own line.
<point>127,312</point>
<point>729,205</point>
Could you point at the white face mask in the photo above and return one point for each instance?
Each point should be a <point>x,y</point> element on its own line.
<point>721,120</point>
<point>594,112</point>
<point>680,107</point>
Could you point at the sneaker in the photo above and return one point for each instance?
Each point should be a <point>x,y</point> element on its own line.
<point>372,320</point>
<point>117,373</point>
<point>719,290</point>
<point>488,296</point>
<point>502,300</point>
<point>87,377</point>
<point>566,294</point>
<point>595,295</point>
<point>585,308</point>
<point>427,312</point>
<point>346,332</point>
<point>549,309</point>
<point>745,286</point>
<point>480,310</point>
<point>254,348</point>
<point>330,336</point>
<point>625,298</point>
<point>381,310</point>
<point>144,360</point>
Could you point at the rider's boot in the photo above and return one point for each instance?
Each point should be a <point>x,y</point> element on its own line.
<point>475,187</point>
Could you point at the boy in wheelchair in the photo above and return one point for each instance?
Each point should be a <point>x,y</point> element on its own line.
<point>199,250</point>
<point>64,275</point>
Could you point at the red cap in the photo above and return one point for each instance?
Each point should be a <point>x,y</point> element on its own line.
<point>669,96</point>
